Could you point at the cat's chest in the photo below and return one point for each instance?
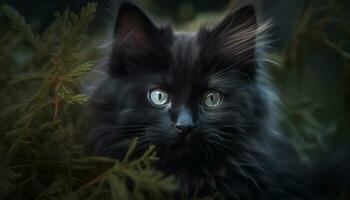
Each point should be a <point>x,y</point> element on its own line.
<point>225,181</point>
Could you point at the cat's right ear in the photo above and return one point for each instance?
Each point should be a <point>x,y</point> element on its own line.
<point>133,26</point>
<point>137,40</point>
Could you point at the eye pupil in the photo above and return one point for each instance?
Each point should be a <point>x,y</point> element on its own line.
<point>211,98</point>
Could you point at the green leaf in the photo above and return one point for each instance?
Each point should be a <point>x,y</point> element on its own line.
<point>80,70</point>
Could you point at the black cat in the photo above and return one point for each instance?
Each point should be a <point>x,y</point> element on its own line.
<point>203,100</point>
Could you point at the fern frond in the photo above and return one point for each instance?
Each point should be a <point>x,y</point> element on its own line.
<point>147,182</point>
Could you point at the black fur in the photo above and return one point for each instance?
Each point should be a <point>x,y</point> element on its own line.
<point>235,149</point>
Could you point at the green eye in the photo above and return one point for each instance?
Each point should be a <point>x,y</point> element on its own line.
<point>158,97</point>
<point>212,99</point>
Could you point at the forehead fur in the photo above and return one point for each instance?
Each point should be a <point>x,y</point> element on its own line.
<point>184,51</point>
<point>184,72</point>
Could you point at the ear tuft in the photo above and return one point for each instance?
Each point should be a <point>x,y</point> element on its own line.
<point>233,41</point>
<point>238,31</point>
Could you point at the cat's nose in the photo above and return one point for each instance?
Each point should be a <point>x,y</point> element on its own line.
<point>184,123</point>
<point>184,129</point>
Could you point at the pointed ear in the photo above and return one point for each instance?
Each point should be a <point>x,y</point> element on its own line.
<point>138,43</point>
<point>237,32</point>
<point>133,26</point>
<point>233,41</point>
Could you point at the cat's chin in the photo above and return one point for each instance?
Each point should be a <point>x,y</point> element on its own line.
<point>186,149</point>
<point>188,158</point>
<point>186,140</point>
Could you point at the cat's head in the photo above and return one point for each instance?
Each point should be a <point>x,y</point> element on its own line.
<point>194,95</point>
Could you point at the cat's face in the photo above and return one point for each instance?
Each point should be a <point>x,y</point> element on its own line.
<point>193,95</point>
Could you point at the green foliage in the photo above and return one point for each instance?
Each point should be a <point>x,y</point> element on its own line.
<point>147,183</point>
<point>41,105</point>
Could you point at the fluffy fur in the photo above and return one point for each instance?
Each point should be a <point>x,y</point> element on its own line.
<point>234,149</point>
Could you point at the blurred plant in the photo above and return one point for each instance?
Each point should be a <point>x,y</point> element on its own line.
<point>319,27</point>
<point>311,29</point>
<point>40,114</point>
<point>306,132</point>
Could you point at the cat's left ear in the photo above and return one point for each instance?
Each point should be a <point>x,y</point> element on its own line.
<point>235,38</point>
<point>238,30</point>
